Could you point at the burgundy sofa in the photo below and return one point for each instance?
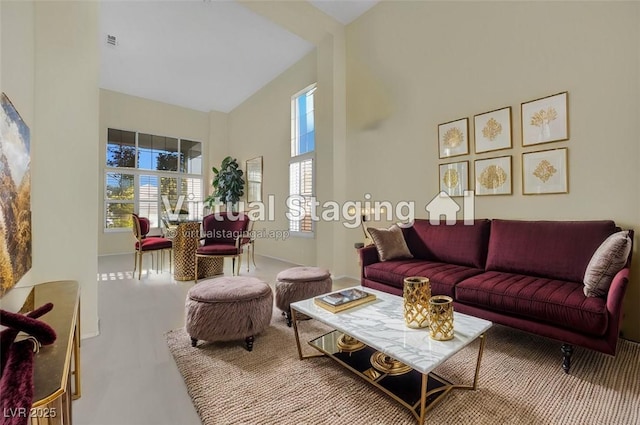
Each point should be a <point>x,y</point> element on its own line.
<point>523,274</point>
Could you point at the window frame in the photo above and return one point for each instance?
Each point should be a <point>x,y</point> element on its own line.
<point>138,172</point>
<point>296,157</point>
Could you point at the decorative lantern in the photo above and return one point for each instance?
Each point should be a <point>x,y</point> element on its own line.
<point>417,291</point>
<point>441,317</point>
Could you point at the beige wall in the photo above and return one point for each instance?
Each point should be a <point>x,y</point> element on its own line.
<point>413,65</point>
<point>261,126</point>
<point>17,68</point>
<point>409,67</point>
<point>132,113</point>
<point>50,72</point>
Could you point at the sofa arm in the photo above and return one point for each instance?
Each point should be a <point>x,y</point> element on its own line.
<point>368,255</point>
<point>616,293</point>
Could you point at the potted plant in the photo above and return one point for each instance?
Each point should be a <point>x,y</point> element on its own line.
<point>228,184</point>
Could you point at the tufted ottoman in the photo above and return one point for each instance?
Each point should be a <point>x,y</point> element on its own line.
<point>300,283</point>
<point>228,308</point>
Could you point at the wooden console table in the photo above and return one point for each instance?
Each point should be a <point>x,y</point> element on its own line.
<point>56,368</point>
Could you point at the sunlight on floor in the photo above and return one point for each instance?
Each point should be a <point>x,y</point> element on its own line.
<point>115,276</point>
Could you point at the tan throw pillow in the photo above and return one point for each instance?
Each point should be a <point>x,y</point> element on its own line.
<point>610,257</point>
<point>390,243</point>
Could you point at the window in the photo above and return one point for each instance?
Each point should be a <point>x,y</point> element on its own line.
<point>144,171</point>
<point>301,164</point>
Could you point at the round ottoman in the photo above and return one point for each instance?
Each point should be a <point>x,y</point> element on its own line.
<point>228,308</point>
<point>300,283</point>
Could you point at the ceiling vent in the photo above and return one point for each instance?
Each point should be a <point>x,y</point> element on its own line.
<point>111,40</point>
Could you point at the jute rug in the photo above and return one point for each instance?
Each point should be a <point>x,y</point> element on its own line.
<point>521,382</point>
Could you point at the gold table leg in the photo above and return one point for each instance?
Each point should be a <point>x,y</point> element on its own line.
<point>76,359</point>
<point>474,386</point>
<point>295,331</point>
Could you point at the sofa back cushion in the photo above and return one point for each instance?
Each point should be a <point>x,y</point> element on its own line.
<point>455,244</point>
<point>554,249</point>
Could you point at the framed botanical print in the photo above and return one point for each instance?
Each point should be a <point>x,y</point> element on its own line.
<point>453,138</point>
<point>492,130</point>
<point>454,178</point>
<point>545,172</point>
<point>545,120</point>
<point>493,176</point>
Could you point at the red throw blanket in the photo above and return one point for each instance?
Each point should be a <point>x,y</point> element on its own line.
<point>16,361</point>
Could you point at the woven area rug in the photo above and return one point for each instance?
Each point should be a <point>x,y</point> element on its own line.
<point>521,382</point>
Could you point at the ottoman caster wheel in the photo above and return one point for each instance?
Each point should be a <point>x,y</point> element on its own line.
<point>249,341</point>
<point>194,342</point>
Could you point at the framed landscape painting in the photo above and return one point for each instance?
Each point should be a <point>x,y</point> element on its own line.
<point>454,178</point>
<point>545,172</point>
<point>453,138</point>
<point>15,196</point>
<point>545,120</point>
<point>492,130</point>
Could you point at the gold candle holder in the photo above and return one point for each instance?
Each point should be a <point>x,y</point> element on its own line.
<point>441,318</point>
<point>416,294</point>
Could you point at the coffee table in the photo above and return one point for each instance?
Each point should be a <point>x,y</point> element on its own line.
<point>376,333</point>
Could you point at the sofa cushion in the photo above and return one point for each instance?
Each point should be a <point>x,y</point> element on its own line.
<point>443,276</point>
<point>558,302</point>
<point>609,259</point>
<point>555,249</point>
<point>390,243</point>
<point>456,244</point>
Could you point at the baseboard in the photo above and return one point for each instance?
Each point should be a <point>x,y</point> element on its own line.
<point>345,276</point>
<point>279,259</point>
<point>116,253</point>
<point>89,335</point>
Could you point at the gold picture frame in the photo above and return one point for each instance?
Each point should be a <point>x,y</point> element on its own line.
<point>493,176</point>
<point>492,130</point>
<point>545,172</point>
<point>454,178</point>
<point>453,138</point>
<point>545,120</point>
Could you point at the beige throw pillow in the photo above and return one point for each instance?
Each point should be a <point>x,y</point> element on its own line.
<point>610,257</point>
<point>390,243</point>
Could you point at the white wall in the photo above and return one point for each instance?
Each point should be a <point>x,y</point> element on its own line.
<point>132,113</point>
<point>261,126</point>
<point>17,68</point>
<point>414,65</point>
<point>50,72</point>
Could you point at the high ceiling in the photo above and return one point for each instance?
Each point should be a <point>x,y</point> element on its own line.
<point>203,55</point>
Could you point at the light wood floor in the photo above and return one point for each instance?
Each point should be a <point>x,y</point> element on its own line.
<point>128,374</point>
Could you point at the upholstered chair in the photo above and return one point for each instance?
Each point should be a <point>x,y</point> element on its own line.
<point>146,243</point>
<point>225,235</point>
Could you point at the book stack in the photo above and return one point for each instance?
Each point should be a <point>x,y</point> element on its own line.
<point>342,300</point>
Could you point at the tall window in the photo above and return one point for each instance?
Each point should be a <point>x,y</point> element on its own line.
<point>148,174</point>
<point>301,164</point>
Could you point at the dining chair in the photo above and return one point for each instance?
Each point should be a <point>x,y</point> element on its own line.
<point>225,235</point>
<point>145,243</point>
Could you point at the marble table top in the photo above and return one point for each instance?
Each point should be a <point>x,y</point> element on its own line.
<point>380,324</point>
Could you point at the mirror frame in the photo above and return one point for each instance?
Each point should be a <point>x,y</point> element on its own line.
<point>255,165</point>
